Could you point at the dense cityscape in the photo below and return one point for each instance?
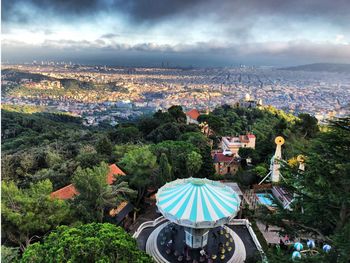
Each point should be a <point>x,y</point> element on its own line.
<point>109,94</point>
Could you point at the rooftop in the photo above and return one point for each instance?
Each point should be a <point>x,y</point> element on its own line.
<point>221,158</point>
<point>193,114</point>
<point>113,170</point>
<point>69,191</point>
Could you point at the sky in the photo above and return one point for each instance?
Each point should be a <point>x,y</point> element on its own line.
<point>178,32</point>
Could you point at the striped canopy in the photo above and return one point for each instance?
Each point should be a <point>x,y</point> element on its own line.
<point>298,246</point>
<point>197,203</point>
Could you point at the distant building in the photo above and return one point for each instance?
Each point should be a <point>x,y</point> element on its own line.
<point>232,144</point>
<point>225,164</point>
<point>250,102</point>
<point>192,116</point>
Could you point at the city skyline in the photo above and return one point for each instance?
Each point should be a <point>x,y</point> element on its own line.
<point>198,33</point>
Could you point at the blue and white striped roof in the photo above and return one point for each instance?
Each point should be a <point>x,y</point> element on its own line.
<point>298,246</point>
<point>197,203</point>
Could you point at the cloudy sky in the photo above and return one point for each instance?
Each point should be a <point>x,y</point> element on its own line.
<point>181,32</point>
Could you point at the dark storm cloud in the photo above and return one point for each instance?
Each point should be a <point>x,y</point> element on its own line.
<point>15,10</point>
<point>138,10</point>
<point>199,54</point>
<point>231,10</point>
<point>231,23</point>
<point>109,36</point>
<point>155,10</point>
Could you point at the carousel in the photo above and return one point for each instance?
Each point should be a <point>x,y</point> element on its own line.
<point>196,211</point>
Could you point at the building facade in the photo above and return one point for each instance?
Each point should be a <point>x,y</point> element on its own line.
<point>234,143</point>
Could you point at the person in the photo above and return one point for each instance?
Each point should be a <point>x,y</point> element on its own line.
<point>220,246</point>
<point>185,250</point>
<point>266,227</point>
<point>203,256</point>
<point>282,245</point>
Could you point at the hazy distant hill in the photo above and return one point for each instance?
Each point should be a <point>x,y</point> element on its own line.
<point>16,75</point>
<point>327,67</point>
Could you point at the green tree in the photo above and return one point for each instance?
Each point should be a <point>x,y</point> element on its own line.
<point>176,152</point>
<point>26,164</point>
<point>104,146</point>
<point>52,158</point>
<point>195,138</point>
<point>95,195</point>
<point>139,164</point>
<point>164,170</point>
<point>120,150</point>
<point>29,213</point>
<point>163,117</point>
<point>260,170</point>
<point>177,113</point>
<point>88,157</point>
<point>215,122</point>
<point>86,243</point>
<point>193,163</point>
<point>129,134</point>
<point>308,125</point>
<point>248,153</point>
<point>207,169</point>
<point>167,131</point>
<point>147,125</point>
<point>9,254</point>
<point>323,192</point>
<point>245,152</point>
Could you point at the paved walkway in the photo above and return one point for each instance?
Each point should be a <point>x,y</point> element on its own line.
<point>272,235</point>
<point>250,198</point>
<point>149,215</point>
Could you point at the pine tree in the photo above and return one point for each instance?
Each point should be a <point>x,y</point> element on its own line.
<point>165,174</point>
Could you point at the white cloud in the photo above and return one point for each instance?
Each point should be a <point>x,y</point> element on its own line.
<point>340,39</point>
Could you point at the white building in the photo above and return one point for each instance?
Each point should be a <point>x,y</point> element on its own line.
<point>234,143</point>
<point>192,116</point>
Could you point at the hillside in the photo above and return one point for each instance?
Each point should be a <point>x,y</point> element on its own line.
<point>20,84</point>
<point>28,139</point>
<point>44,152</point>
<point>17,75</point>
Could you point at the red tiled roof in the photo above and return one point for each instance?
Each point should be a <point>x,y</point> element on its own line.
<point>221,158</point>
<point>113,170</point>
<point>69,191</point>
<point>251,136</point>
<point>193,114</point>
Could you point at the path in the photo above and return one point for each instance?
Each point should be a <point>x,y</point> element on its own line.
<point>272,235</point>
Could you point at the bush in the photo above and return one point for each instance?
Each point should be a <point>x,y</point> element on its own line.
<point>86,243</point>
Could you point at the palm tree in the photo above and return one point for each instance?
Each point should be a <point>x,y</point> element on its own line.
<point>95,195</point>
